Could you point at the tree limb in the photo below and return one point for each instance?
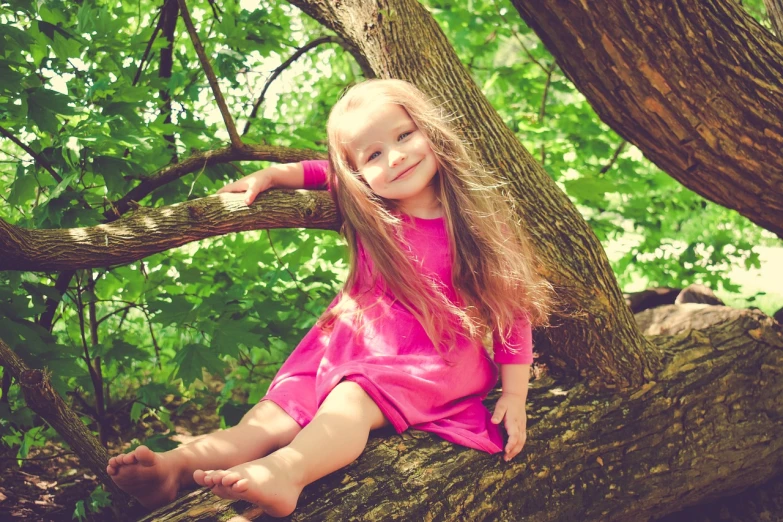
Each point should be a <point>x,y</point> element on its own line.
<point>147,231</point>
<point>42,398</point>
<point>709,423</point>
<point>236,141</point>
<point>696,85</point>
<point>200,160</point>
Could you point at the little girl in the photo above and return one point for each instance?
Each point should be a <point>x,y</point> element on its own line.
<point>438,260</point>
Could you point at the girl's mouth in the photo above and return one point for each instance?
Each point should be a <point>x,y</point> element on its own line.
<point>406,172</point>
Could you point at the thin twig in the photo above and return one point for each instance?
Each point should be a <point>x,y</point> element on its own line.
<point>45,164</point>
<point>236,141</point>
<point>616,155</point>
<point>518,39</point>
<point>283,66</point>
<point>157,21</point>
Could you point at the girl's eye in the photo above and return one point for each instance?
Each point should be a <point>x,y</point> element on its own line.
<point>404,135</point>
<point>373,156</point>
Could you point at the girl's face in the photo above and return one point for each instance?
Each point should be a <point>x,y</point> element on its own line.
<point>393,156</point>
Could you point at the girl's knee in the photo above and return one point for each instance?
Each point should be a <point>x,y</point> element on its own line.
<point>269,415</point>
<point>349,392</point>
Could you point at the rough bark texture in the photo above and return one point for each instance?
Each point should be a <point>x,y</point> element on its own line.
<point>709,425</point>
<point>696,85</point>
<point>147,231</point>
<point>775,13</point>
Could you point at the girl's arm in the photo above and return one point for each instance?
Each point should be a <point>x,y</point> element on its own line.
<point>306,174</point>
<point>511,407</point>
<point>514,357</point>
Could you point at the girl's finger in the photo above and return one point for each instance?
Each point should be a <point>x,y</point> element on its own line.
<point>500,412</point>
<point>249,196</point>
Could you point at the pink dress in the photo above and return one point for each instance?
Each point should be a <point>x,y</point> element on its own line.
<point>390,356</point>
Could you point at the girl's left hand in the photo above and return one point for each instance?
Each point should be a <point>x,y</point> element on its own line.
<point>512,408</point>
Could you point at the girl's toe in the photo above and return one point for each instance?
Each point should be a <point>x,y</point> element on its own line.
<point>241,485</point>
<point>198,476</point>
<point>230,478</point>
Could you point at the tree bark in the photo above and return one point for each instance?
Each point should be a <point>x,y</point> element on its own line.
<point>696,85</point>
<point>775,13</point>
<point>147,231</point>
<point>710,424</point>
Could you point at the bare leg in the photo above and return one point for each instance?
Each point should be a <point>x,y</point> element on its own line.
<point>154,478</point>
<point>335,437</point>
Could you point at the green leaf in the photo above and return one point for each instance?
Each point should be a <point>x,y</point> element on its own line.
<point>192,359</point>
<point>79,511</point>
<point>136,410</point>
<point>23,187</point>
<point>99,499</point>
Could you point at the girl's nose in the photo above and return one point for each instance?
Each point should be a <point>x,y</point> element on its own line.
<point>395,157</point>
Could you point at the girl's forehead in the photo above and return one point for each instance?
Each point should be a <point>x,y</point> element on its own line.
<point>370,122</point>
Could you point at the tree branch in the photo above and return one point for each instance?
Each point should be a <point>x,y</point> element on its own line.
<point>236,141</point>
<point>42,398</point>
<point>147,231</point>
<point>706,108</point>
<point>200,160</point>
<point>38,159</point>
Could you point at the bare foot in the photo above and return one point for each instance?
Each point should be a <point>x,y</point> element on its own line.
<point>153,478</point>
<point>268,482</point>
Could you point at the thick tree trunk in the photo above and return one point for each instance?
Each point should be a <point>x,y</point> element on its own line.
<point>710,424</point>
<point>697,85</point>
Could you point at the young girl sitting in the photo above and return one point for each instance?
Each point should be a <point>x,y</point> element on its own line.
<point>438,260</point>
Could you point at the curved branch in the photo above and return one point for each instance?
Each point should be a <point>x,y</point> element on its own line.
<point>200,160</point>
<point>147,231</point>
<point>697,86</point>
<point>236,141</point>
<point>282,67</point>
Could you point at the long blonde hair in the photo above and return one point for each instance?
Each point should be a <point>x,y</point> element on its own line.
<point>493,263</point>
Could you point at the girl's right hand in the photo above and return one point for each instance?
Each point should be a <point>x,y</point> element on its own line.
<point>252,185</point>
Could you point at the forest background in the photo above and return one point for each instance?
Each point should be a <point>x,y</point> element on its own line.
<point>94,99</point>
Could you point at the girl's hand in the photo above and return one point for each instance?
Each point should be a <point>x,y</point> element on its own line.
<point>252,185</point>
<point>512,407</point>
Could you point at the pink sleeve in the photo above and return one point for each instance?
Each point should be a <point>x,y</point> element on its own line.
<point>315,174</point>
<point>519,348</point>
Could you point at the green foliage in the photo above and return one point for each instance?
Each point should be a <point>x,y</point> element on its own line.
<point>98,499</point>
<point>227,309</point>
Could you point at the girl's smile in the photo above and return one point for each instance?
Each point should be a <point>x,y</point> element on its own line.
<point>393,156</point>
<point>405,173</point>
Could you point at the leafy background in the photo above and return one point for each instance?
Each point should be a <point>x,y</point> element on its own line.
<point>209,323</point>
